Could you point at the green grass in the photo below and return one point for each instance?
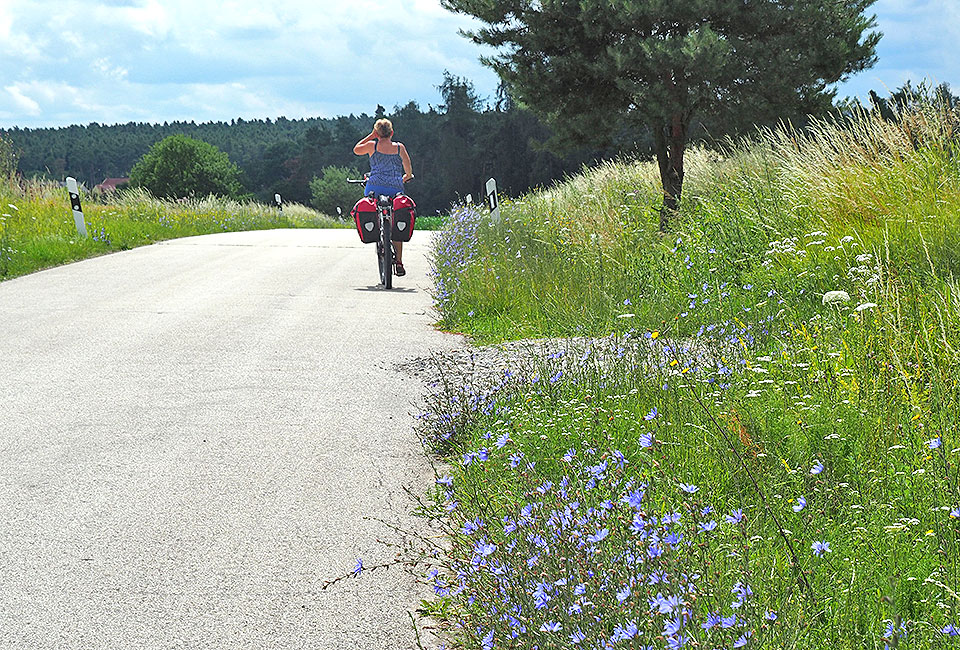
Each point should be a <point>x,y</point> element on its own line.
<point>430,222</point>
<point>37,229</point>
<point>722,327</point>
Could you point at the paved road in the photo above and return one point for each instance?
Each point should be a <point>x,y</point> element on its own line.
<point>191,436</point>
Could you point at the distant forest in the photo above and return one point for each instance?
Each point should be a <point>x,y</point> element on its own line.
<point>455,148</point>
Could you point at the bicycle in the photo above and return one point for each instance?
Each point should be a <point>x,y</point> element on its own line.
<point>385,227</point>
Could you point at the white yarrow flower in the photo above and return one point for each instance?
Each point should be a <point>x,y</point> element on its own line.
<point>865,305</point>
<point>831,297</point>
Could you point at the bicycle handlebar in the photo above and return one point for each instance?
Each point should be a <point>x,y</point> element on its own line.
<point>363,181</point>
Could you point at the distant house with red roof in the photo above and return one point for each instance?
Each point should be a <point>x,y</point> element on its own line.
<point>110,184</point>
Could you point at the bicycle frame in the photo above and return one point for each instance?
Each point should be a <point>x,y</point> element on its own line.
<point>385,251</point>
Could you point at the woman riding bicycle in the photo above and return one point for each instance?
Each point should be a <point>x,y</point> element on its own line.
<point>390,168</point>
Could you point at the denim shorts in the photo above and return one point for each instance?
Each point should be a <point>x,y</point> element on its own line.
<point>379,189</point>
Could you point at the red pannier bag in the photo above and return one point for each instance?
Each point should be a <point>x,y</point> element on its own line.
<point>367,220</point>
<point>404,214</point>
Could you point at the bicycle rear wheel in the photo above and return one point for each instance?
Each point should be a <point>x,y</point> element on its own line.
<point>386,257</point>
<point>379,250</point>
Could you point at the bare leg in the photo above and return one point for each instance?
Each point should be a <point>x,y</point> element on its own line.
<point>398,246</point>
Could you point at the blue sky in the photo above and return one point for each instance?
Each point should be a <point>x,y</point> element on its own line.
<point>113,61</point>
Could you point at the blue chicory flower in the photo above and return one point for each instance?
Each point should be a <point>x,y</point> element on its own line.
<point>673,627</point>
<point>487,642</point>
<point>713,619</point>
<point>577,637</point>
<point>634,499</point>
<point>735,517</point>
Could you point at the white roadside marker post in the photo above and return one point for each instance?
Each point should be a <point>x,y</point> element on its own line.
<point>492,202</point>
<point>75,204</point>
<point>276,197</point>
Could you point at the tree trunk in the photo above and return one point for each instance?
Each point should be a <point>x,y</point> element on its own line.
<point>669,150</point>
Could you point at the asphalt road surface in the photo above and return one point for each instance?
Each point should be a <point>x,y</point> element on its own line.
<point>194,437</point>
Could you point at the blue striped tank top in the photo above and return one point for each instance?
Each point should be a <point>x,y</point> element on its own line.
<point>386,169</point>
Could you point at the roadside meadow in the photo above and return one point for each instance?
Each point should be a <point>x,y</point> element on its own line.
<point>739,433</point>
<point>37,230</point>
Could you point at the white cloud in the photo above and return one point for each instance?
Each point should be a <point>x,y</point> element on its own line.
<point>208,99</point>
<point>48,94</point>
<point>156,60</point>
<point>918,42</point>
<point>22,102</point>
<point>104,66</point>
<point>204,59</point>
<point>151,19</point>
<point>6,22</point>
<point>14,42</point>
<point>236,15</point>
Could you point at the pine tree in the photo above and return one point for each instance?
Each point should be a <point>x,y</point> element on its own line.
<point>456,151</point>
<point>590,66</point>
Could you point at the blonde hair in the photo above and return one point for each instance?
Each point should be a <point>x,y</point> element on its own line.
<point>384,128</point>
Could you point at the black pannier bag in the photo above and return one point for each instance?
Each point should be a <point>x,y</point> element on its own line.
<point>404,214</point>
<point>367,219</point>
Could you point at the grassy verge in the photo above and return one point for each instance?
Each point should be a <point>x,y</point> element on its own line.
<point>763,451</point>
<point>37,228</point>
<point>431,222</point>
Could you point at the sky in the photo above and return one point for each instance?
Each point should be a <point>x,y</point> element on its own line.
<point>68,62</point>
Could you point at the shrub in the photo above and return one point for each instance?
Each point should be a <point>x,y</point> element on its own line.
<point>331,191</point>
<point>179,167</point>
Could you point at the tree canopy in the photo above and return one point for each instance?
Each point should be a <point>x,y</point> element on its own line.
<point>595,68</point>
<point>455,147</point>
<point>179,166</point>
<point>330,190</point>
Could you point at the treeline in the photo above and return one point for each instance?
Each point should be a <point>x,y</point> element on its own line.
<point>455,147</point>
